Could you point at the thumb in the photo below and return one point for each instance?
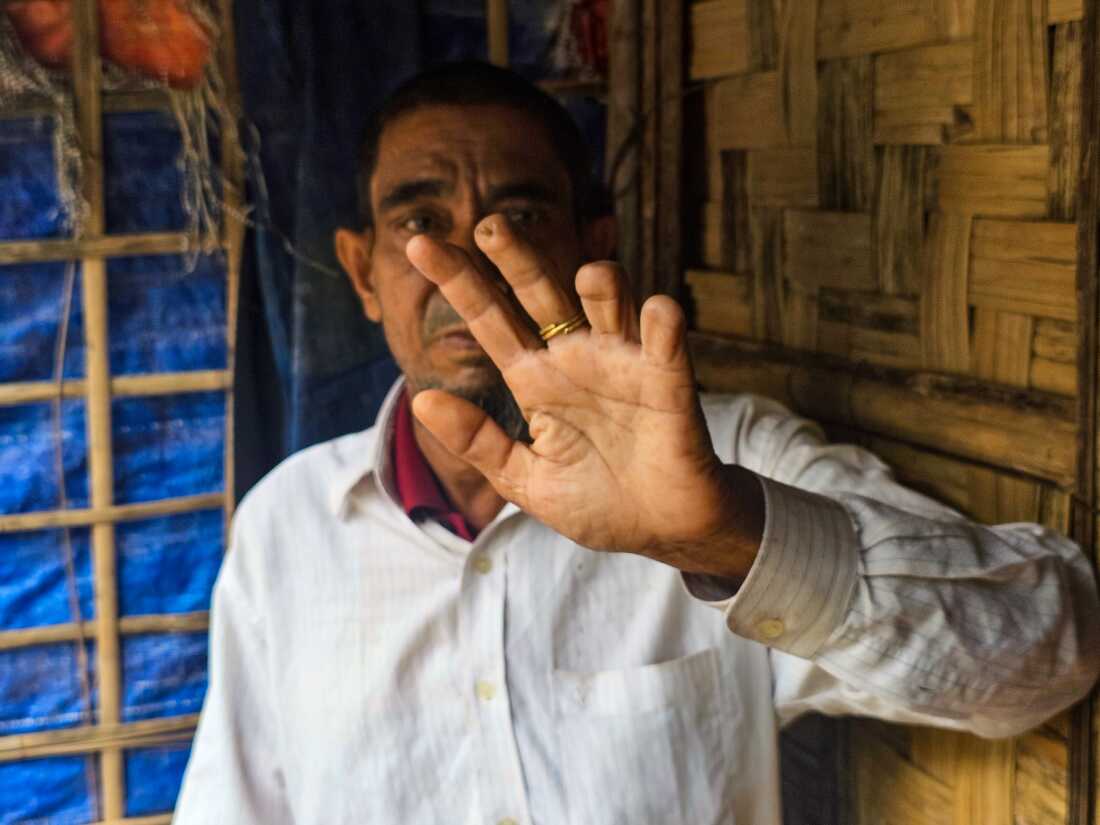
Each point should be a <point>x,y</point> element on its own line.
<point>470,433</point>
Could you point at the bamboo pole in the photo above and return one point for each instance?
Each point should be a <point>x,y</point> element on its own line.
<point>124,386</point>
<point>114,246</point>
<point>1084,759</point>
<point>52,519</point>
<point>1033,433</point>
<point>233,232</point>
<point>103,738</point>
<point>128,626</point>
<point>87,88</point>
<point>142,100</point>
<point>157,819</point>
<point>496,13</point>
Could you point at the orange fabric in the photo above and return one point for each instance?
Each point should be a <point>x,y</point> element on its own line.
<point>161,39</point>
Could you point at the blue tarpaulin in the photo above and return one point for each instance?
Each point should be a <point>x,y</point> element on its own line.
<point>165,314</point>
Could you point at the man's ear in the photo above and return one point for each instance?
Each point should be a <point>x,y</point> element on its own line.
<point>598,238</point>
<point>354,249</point>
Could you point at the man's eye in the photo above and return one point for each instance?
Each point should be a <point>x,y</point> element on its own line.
<point>523,217</point>
<point>419,224</point>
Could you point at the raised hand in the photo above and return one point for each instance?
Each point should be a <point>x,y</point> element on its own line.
<point>620,457</point>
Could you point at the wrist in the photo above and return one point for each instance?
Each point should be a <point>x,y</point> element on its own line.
<point>728,547</point>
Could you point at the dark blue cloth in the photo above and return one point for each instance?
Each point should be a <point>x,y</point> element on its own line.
<point>310,74</point>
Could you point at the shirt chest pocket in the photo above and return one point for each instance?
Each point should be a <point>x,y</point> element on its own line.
<point>649,744</point>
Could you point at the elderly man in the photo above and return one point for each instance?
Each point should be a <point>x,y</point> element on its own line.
<point>552,584</point>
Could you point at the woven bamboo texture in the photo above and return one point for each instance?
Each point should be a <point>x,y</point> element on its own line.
<point>110,736</point>
<point>886,238</point>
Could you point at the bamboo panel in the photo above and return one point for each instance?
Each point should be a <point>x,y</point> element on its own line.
<point>923,96</point>
<point>104,737</point>
<point>113,246</point>
<point>1065,121</point>
<point>850,28</point>
<point>869,328</point>
<point>168,383</point>
<point>799,317</point>
<point>783,177</point>
<point>128,626</point>
<point>868,345</point>
<point>891,789</point>
<point>722,301</point>
<point>1025,267</point>
<point>1055,340</point>
<point>1039,790</point>
<point>1053,376</point>
<point>51,519</point>
<point>986,771</point>
<point>747,112</point>
<point>1065,11</point>
<point>829,249</point>
<point>1002,346</point>
<point>798,71</point>
<point>1010,88</point>
<point>1009,181</point>
<point>990,496</point>
<point>945,326</point>
<point>711,235</point>
<point>159,819</point>
<point>767,267</point>
<point>1054,357</point>
<point>1035,436</point>
<point>721,39</point>
<point>898,222</point>
<point>845,136</point>
<point>943,261</point>
<point>736,221</point>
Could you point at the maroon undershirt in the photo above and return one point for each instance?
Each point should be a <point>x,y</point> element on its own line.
<point>419,491</point>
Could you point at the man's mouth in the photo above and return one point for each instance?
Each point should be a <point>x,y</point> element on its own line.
<point>457,337</point>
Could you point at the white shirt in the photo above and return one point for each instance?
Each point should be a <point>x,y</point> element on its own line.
<point>366,669</point>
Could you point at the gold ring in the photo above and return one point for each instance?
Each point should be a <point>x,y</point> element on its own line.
<point>563,327</point>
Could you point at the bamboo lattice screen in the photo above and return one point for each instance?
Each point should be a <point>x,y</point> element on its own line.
<point>110,736</point>
<point>886,193</point>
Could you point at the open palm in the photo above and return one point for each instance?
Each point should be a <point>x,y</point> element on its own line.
<point>620,457</point>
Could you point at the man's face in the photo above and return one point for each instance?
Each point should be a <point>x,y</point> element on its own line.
<point>440,170</point>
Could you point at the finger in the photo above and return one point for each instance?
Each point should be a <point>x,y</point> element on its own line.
<point>606,298</point>
<point>533,277</point>
<point>492,320</point>
<point>469,433</point>
<point>663,329</point>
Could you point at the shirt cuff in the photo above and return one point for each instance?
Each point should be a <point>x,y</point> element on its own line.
<point>801,583</point>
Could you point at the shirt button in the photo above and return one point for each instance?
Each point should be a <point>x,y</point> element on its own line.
<point>771,628</point>
<point>483,564</point>
<point>485,691</point>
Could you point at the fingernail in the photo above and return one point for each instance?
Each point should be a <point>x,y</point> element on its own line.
<point>485,229</point>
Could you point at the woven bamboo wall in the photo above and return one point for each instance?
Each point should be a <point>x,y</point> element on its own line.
<point>888,188</point>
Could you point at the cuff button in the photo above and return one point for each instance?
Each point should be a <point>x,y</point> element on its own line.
<point>770,628</point>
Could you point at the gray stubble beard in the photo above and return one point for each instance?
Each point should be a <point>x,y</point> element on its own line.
<point>498,402</point>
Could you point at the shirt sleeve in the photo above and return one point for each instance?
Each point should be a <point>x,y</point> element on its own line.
<point>234,773</point>
<point>878,600</point>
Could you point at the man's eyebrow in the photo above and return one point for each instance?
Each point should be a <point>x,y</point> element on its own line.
<point>410,190</point>
<point>531,190</point>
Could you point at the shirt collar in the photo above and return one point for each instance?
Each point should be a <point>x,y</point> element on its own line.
<point>371,458</point>
<point>418,489</point>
